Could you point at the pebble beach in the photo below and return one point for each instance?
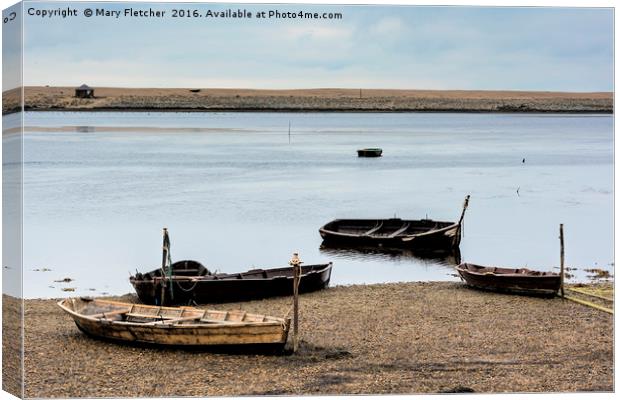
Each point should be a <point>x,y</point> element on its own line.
<point>399,338</point>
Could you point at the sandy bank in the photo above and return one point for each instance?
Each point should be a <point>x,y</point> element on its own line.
<point>389,338</point>
<point>366,100</point>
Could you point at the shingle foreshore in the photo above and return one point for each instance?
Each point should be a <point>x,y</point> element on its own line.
<point>363,339</point>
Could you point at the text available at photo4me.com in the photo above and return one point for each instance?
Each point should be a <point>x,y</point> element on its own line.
<point>189,13</point>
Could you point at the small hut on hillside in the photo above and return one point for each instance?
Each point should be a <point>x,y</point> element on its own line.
<point>85,92</point>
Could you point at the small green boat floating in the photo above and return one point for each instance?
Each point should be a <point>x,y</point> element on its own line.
<point>372,152</point>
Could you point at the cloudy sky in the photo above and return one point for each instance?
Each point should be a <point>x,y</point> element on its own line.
<point>564,49</point>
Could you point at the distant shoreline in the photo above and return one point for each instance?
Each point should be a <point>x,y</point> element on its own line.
<point>308,100</point>
<point>308,110</point>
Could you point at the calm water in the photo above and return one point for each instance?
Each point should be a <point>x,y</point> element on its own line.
<point>235,194</point>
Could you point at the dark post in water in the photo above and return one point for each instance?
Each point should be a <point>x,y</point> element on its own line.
<point>562,260</point>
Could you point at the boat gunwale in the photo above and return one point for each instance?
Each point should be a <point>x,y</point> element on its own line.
<point>548,274</point>
<point>403,237</point>
<point>205,278</point>
<point>278,320</point>
<point>408,238</point>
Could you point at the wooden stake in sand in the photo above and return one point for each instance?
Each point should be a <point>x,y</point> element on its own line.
<point>296,264</point>
<point>562,260</point>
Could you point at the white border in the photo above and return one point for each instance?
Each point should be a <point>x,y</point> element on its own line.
<point>505,3</point>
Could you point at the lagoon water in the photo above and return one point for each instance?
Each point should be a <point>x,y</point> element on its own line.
<point>237,192</point>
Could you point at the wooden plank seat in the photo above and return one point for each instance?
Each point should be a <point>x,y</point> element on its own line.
<point>109,314</point>
<point>399,231</point>
<point>188,271</point>
<point>173,321</point>
<point>373,230</point>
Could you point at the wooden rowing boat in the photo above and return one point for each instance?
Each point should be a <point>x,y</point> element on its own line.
<point>191,282</point>
<point>178,326</point>
<point>395,232</point>
<point>372,152</point>
<point>519,280</point>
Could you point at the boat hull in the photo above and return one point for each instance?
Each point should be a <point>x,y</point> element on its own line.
<point>521,281</point>
<point>227,333</point>
<point>185,336</point>
<point>209,289</point>
<point>369,152</point>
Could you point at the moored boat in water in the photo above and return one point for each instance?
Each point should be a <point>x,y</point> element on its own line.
<point>190,282</point>
<point>395,232</point>
<point>518,280</point>
<point>371,152</point>
<point>174,326</point>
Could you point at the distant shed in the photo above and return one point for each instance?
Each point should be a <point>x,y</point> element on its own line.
<point>85,92</point>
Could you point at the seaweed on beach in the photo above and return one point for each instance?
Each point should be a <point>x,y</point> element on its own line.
<point>598,273</point>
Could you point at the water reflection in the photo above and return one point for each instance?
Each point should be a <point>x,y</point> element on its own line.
<point>442,257</point>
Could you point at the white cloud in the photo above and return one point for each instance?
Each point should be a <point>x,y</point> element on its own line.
<point>318,33</point>
<point>372,47</point>
<point>388,26</point>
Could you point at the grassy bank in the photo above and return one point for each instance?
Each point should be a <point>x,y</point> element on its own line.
<point>306,100</point>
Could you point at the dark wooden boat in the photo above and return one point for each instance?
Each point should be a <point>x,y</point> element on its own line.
<point>519,280</point>
<point>373,152</point>
<point>191,282</point>
<point>178,326</point>
<point>395,232</point>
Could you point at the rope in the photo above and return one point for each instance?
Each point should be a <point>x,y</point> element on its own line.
<point>590,294</point>
<point>187,290</point>
<point>589,304</point>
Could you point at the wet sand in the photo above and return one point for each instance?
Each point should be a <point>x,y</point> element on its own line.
<point>390,338</point>
<point>368,100</point>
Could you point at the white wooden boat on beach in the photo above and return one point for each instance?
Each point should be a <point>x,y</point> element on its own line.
<point>176,326</point>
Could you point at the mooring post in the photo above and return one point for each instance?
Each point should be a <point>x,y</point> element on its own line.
<point>465,204</point>
<point>164,258</point>
<point>296,264</point>
<point>457,238</point>
<point>562,260</point>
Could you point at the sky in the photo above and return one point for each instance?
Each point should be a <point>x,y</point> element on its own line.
<point>399,47</point>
